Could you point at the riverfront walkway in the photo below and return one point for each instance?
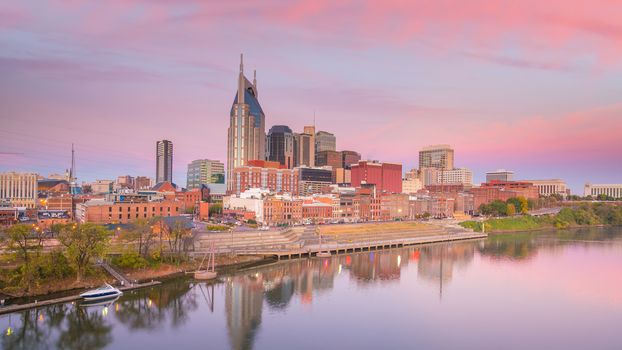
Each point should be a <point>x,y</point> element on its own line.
<point>303,241</point>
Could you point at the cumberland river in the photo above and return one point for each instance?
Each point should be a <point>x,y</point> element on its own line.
<point>556,290</point>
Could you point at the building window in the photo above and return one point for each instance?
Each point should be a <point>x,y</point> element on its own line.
<point>109,209</point>
<point>120,216</point>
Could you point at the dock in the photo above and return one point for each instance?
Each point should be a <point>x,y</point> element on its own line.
<point>37,304</point>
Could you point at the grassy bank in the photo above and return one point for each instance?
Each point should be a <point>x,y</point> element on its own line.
<point>586,214</point>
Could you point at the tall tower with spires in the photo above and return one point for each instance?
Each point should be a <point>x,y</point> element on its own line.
<point>246,138</point>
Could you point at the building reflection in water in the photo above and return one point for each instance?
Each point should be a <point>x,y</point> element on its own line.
<point>437,262</point>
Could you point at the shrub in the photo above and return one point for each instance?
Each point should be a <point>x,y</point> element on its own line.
<point>130,260</point>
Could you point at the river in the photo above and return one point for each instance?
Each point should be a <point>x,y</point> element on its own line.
<point>545,290</point>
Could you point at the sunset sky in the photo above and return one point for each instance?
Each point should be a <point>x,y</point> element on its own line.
<point>532,86</point>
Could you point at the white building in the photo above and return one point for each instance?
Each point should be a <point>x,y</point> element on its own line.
<point>550,187</point>
<point>455,176</point>
<point>411,185</point>
<point>612,190</point>
<point>20,189</point>
<point>249,200</point>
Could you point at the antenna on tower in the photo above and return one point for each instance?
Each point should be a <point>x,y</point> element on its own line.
<point>72,172</point>
<point>314,119</point>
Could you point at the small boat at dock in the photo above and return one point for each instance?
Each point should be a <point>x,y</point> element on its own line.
<point>210,272</point>
<point>104,292</point>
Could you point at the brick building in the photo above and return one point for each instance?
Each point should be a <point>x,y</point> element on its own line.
<point>502,190</point>
<point>387,177</point>
<point>265,175</point>
<point>281,210</point>
<point>100,211</point>
<point>317,211</point>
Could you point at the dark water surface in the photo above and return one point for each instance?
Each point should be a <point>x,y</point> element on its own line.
<point>556,290</point>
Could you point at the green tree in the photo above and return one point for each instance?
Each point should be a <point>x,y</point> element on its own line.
<point>141,233</point>
<point>20,239</point>
<point>83,242</point>
<point>23,240</point>
<point>215,209</point>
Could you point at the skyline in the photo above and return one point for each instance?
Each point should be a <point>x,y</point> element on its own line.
<point>533,88</point>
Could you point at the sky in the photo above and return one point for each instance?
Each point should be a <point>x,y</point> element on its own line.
<point>531,86</point>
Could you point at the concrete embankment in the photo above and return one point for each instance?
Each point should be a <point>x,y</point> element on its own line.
<point>302,242</point>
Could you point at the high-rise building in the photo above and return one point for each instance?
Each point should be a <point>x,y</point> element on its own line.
<point>437,156</point>
<point>281,145</point>
<point>247,131</point>
<point>349,158</point>
<point>19,189</point>
<point>164,161</point>
<point>204,171</point>
<point>333,159</point>
<point>500,175</point>
<point>325,141</point>
<point>304,147</point>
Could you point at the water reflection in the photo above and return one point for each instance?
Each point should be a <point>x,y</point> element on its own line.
<point>232,309</point>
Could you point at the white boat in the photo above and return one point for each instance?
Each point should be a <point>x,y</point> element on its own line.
<point>324,254</point>
<point>104,292</point>
<point>210,273</point>
<point>99,302</point>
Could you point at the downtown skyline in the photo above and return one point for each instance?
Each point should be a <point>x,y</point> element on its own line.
<point>531,92</point>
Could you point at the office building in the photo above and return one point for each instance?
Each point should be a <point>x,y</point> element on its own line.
<point>314,180</point>
<point>164,161</point>
<point>125,181</point>
<point>325,141</point>
<point>387,177</point>
<point>332,159</point>
<point>246,136</point>
<point>610,190</point>
<point>204,171</point>
<point>437,156</point>
<point>19,189</point>
<point>455,176</point>
<point>304,147</point>
<point>349,158</point>
<point>281,145</point>
<point>500,175</point>
<point>142,183</point>
<point>264,175</point>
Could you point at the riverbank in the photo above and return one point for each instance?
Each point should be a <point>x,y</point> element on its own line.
<point>584,215</point>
